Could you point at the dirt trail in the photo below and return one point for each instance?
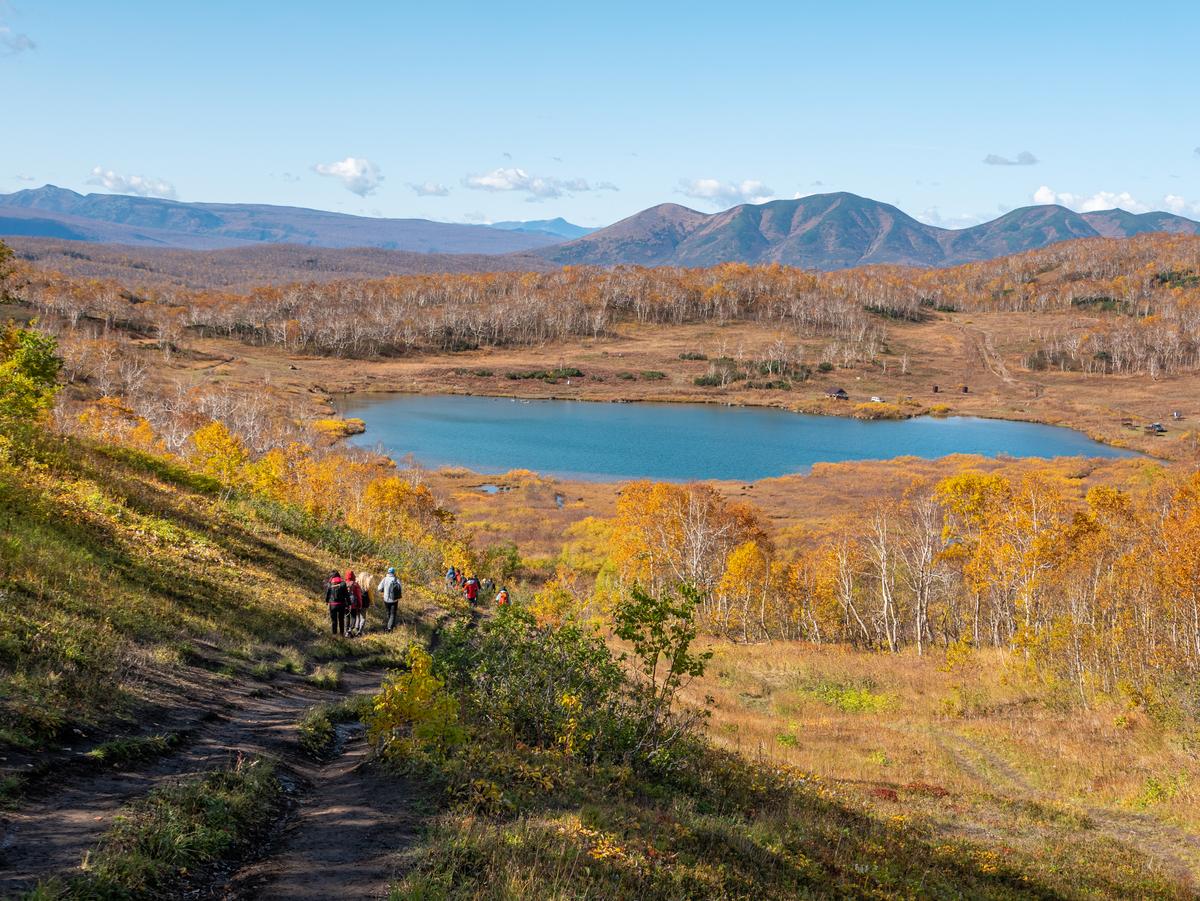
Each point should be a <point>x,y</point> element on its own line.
<point>345,839</point>
<point>51,835</point>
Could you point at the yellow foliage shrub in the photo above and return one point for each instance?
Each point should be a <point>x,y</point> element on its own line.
<point>413,714</point>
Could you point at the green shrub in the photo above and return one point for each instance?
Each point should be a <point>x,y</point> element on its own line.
<point>316,732</point>
<point>692,355</point>
<point>526,681</point>
<point>545,375</point>
<point>653,375</point>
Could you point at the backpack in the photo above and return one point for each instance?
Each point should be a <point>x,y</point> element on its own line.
<point>395,591</point>
<point>366,597</point>
<point>341,595</point>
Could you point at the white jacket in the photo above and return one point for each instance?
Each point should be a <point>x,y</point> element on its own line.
<point>385,588</point>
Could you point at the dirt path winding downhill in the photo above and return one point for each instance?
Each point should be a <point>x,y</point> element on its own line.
<point>345,839</point>
<point>51,835</point>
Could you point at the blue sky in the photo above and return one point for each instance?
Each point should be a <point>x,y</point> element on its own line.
<point>480,112</point>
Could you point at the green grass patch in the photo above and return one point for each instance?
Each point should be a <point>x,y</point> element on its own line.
<point>157,841</point>
<point>317,728</point>
<point>120,752</point>
<point>327,675</point>
<point>849,696</point>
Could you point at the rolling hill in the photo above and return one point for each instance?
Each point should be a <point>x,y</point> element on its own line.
<point>241,268</point>
<point>52,212</point>
<point>837,231</point>
<point>559,227</point>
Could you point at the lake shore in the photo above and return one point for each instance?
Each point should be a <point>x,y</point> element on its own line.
<point>982,352</point>
<point>675,442</point>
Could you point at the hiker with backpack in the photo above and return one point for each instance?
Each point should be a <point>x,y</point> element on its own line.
<point>391,591</point>
<point>487,587</point>
<point>502,598</point>
<point>471,590</point>
<point>337,597</point>
<point>451,577</point>
<point>355,609</point>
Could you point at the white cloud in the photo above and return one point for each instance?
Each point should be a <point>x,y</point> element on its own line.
<point>933,216</point>
<point>429,189</point>
<point>26,178</point>
<point>538,187</point>
<point>358,176</point>
<point>1181,206</point>
<point>1107,200</point>
<point>132,184</point>
<point>726,194</point>
<point>1101,200</point>
<point>1024,158</point>
<point>1175,203</point>
<point>14,42</point>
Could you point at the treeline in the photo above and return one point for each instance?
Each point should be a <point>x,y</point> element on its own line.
<point>1096,595</point>
<point>440,313</point>
<point>1137,305</point>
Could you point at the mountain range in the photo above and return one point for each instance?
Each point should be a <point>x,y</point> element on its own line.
<point>821,231</point>
<point>837,231</point>
<point>52,212</point>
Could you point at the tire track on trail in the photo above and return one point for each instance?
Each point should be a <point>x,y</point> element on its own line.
<point>1175,848</point>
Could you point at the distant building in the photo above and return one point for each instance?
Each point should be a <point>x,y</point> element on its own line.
<point>837,393</point>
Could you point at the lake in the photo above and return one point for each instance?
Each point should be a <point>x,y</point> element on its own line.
<point>678,442</point>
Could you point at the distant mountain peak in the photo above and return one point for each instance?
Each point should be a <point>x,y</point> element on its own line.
<point>557,226</point>
<point>838,230</point>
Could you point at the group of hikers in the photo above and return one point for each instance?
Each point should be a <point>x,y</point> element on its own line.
<point>348,601</point>
<point>471,587</point>
<point>348,598</point>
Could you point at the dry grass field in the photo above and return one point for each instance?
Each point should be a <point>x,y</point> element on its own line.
<point>968,745</point>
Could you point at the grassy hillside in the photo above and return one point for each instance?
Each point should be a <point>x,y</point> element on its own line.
<point>124,575</point>
<point>126,571</point>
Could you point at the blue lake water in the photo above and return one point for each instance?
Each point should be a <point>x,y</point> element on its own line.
<point>678,442</point>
